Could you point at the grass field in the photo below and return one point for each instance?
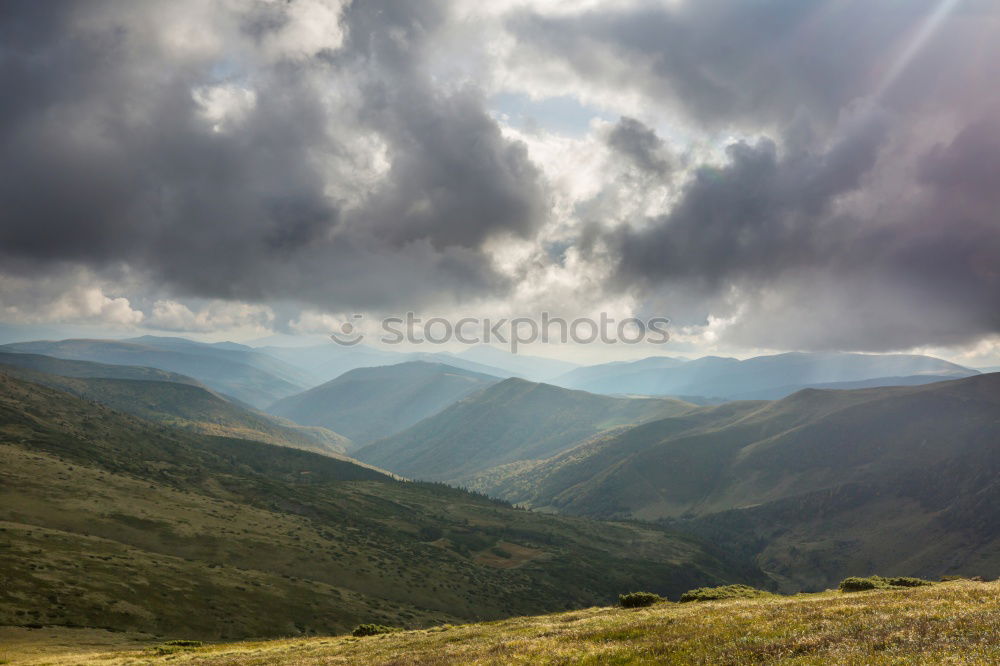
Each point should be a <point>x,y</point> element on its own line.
<point>955,623</point>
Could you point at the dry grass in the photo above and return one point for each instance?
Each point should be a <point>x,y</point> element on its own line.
<point>956,623</point>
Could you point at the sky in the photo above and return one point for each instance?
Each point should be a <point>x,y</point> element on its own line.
<point>773,175</point>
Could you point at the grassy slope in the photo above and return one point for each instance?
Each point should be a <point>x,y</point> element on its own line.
<point>512,421</point>
<point>366,404</point>
<point>814,484</point>
<point>186,406</point>
<point>953,622</point>
<point>115,522</point>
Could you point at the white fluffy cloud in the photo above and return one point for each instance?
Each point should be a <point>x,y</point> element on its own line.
<point>170,315</point>
<point>59,300</point>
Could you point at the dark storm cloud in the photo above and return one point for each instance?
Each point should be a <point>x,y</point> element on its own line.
<point>640,145</point>
<point>847,228</point>
<point>756,215</point>
<point>969,167</point>
<point>109,158</point>
<point>457,180</point>
<point>765,227</point>
<point>760,63</point>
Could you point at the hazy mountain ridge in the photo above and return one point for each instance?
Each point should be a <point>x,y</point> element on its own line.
<point>250,376</point>
<point>70,368</point>
<point>532,368</point>
<point>366,404</point>
<point>512,421</point>
<point>783,391</point>
<point>616,370</point>
<point>325,362</point>
<point>754,378</point>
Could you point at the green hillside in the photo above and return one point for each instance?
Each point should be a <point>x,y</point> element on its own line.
<point>953,623</point>
<point>511,422</point>
<point>184,406</point>
<point>370,403</point>
<point>112,521</point>
<point>812,486</point>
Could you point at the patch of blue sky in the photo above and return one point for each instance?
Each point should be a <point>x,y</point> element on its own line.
<point>226,70</point>
<point>563,114</point>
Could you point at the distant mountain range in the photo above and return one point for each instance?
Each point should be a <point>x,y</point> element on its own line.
<point>509,422</point>
<point>366,404</point>
<point>762,377</point>
<point>328,361</point>
<point>532,368</point>
<point>779,392</point>
<point>262,376</point>
<point>814,486</point>
<point>234,370</point>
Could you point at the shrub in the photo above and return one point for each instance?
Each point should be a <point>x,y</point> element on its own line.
<point>175,646</point>
<point>723,592</point>
<point>953,577</point>
<point>907,581</point>
<point>372,630</point>
<point>638,599</point>
<point>860,584</point>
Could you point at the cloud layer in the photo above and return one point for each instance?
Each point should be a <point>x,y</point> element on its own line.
<point>211,148</point>
<point>780,174</point>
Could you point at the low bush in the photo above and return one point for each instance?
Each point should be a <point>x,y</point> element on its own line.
<point>723,592</point>
<point>907,581</point>
<point>372,630</point>
<point>860,584</point>
<point>953,577</point>
<point>175,646</point>
<point>638,599</point>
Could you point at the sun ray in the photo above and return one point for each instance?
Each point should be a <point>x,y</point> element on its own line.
<point>916,43</point>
